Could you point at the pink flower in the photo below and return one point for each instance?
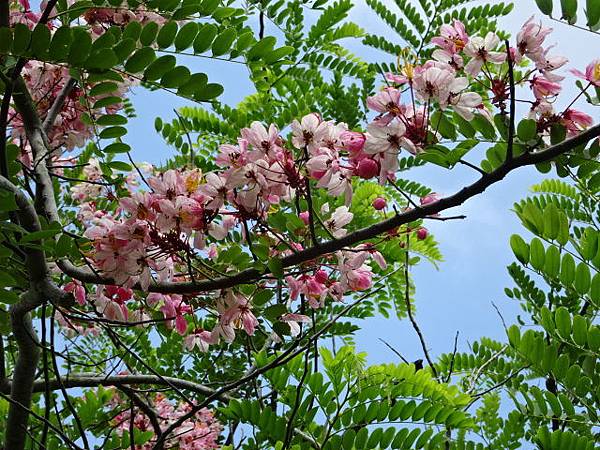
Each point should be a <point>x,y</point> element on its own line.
<point>175,308</point>
<point>199,338</point>
<point>237,312</point>
<point>542,87</point>
<point>379,203</point>
<point>453,37</point>
<point>463,103</point>
<point>353,141</point>
<point>293,320</point>
<point>234,156</point>
<point>386,102</point>
<point>77,289</point>
<point>453,60</point>
<point>433,83</point>
<point>339,219</point>
<point>309,132</point>
<point>576,121</point>
<point>263,140</point>
<point>385,139</point>
<point>530,40</point>
<point>592,73</point>
<point>422,233</point>
<point>429,198</point>
<point>548,64</point>
<point>481,51</point>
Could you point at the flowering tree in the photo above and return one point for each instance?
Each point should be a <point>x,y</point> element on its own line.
<point>188,302</point>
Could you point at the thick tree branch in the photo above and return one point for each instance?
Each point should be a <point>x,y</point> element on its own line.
<point>420,212</point>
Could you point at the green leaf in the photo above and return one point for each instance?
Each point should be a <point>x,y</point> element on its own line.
<point>278,54</point>
<point>519,248</point>
<point>481,124</point>
<point>186,35</point>
<point>113,132</point>
<point>21,39</point>
<point>593,12</point>
<point>261,48</point>
<point>562,318</point>
<point>166,35</point>
<point>262,297</point>
<point>140,60</point>
<point>7,201</point>
<point>209,91</point>
<point>106,101</point>
<point>40,40</point>
<point>103,88</point>
<point>537,254</point>
<point>205,37</point>
<point>443,125</point>
<point>38,235</point>
<point>8,297</point>
<point>175,77</point>
<point>5,40</point>
<point>276,267</point>
<point>580,328</point>
<point>111,119</point>
<point>527,130</point>
<point>582,279</point>
<point>567,270</point>
<point>195,84</point>
<point>569,10</point>
<point>159,67</point>
<point>80,48</point>
<point>117,147</point>
<point>119,165</point>
<point>223,42</point>
<point>149,33</point>
<point>545,6</point>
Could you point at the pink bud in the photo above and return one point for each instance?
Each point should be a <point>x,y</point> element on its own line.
<point>367,168</point>
<point>422,233</point>
<point>379,203</point>
<point>304,216</point>
<point>353,141</point>
<point>429,198</point>
<point>321,276</point>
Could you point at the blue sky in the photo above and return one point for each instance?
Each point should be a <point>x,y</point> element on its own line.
<point>459,296</point>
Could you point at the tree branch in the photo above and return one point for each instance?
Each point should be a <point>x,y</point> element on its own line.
<point>58,105</point>
<point>420,212</point>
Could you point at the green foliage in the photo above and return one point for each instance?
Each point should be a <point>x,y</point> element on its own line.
<point>569,9</point>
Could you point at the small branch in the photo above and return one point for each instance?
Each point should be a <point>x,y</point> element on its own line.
<point>396,352</point>
<point>414,323</point>
<point>58,104</point>
<point>472,166</point>
<point>511,127</point>
<point>451,368</point>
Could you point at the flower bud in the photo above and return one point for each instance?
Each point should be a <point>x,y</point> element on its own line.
<point>429,198</point>
<point>422,233</point>
<point>304,216</point>
<point>353,141</point>
<point>321,276</point>
<point>379,203</point>
<point>367,168</point>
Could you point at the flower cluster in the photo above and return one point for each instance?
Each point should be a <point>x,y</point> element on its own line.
<point>199,433</point>
<point>73,127</point>
<point>184,217</point>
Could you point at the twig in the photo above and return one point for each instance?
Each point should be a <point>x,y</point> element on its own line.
<point>396,352</point>
<point>414,323</point>
<point>511,126</point>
